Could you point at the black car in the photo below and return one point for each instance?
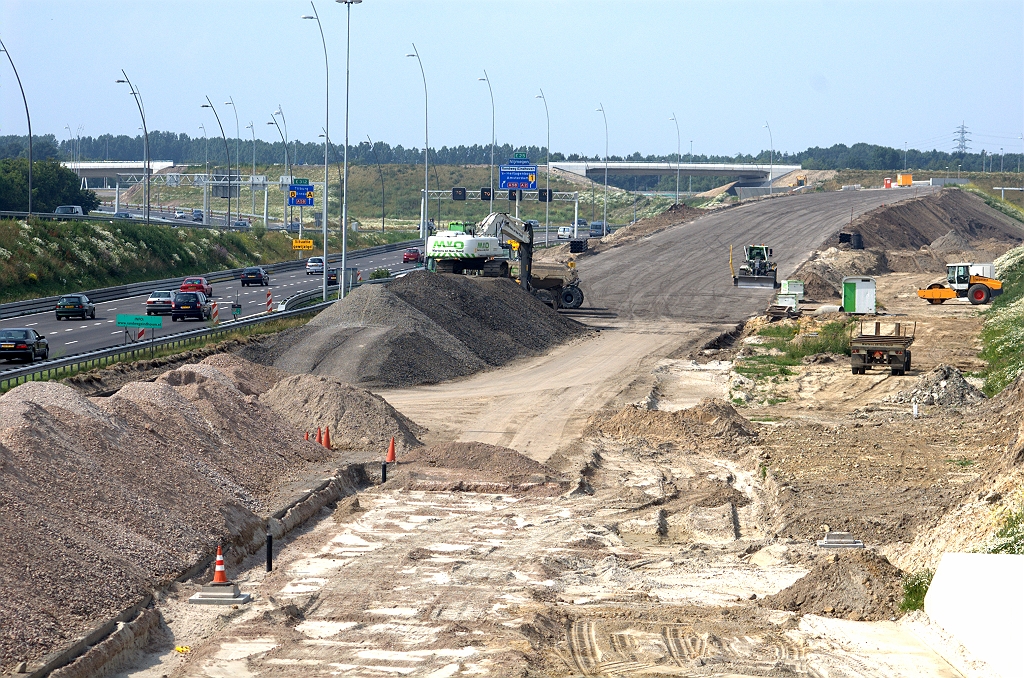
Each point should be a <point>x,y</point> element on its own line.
<point>255,275</point>
<point>75,306</point>
<point>190,305</point>
<point>23,343</point>
<point>332,276</point>
<point>197,215</point>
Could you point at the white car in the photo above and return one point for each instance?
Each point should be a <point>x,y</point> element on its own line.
<point>179,214</point>
<point>564,232</point>
<point>315,266</point>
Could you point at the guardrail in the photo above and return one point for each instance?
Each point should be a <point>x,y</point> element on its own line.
<point>42,304</point>
<point>102,357</point>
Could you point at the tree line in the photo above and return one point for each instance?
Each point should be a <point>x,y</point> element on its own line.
<point>182,149</point>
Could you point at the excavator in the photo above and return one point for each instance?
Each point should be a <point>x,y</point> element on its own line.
<point>501,246</point>
<point>757,269</point>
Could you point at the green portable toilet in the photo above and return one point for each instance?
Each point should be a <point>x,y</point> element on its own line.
<point>859,295</point>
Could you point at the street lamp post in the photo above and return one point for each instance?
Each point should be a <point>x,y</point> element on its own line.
<point>3,48</point>
<point>344,189</point>
<point>284,142</point>
<point>145,132</point>
<point>689,177</point>
<point>327,126</point>
<point>493,137</point>
<point>380,170</point>
<point>678,153</point>
<point>771,159</point>
<point>252,190</point>
<point>1000,160</point>
<point>288,169</point>
<point>227,155</point>
<point>906,146</point>
<point>426,145</point>
<point>547,173</point>
<point>207,151</point>
<point>231,102</point>
<point>604,225</point>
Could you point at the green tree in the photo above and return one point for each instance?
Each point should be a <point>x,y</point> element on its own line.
<point>52,185</point>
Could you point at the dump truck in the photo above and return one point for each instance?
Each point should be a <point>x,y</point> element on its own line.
<point>886,350</point>
<point>757,269</point>
<point>557,285</point>
<point>976,282</point>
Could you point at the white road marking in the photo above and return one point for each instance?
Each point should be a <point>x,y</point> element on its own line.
<point>30,324</point>
<point>96,324</point>
<point>70,330</point>
<point>68,343</point>
<point>110,321</point>
<point>118,332</point>
<point>84,327</point>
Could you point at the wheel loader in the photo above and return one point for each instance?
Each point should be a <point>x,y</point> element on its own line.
<point>976,282</point>
<point>757,269</point>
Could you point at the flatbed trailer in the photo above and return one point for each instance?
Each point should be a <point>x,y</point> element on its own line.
<point>885,350</point>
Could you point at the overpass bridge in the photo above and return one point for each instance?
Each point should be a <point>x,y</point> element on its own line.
<point>107,170</point>
<point>739,172</point>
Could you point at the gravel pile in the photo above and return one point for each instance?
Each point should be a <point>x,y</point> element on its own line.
<point>358,419</point>
<point>471,466</point>
<point>710,425</point>
<point>951,242</point>
<point>854,584</point>
<point>424,328</point>
<point>101,498</point>
<point>944,386</point>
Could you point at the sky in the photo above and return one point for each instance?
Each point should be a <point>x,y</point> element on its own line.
<point>813,73</point>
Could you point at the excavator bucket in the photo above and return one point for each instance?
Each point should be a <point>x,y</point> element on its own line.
<point>754,281</point>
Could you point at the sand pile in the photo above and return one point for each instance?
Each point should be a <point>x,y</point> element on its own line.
<point>855,584</point>
<point>673,216</point>
<point>358,419</point>
<point>422,328</point>
<point>951,242</point>
<point>474,466</point>
<point>103,497</point>
<point>711,425</point>
<point>944,386</point>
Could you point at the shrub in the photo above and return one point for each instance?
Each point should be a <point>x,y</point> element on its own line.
<point>915,586</point>
<point>1009,538</point>
<point>380,273</point>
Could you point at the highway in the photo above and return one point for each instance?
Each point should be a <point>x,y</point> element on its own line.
<point>67,337</point>
<point>682,273</point>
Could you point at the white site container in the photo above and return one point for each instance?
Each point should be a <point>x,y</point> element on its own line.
<point>795,287</point>
<point>787,300</point>
<point>859,295</point>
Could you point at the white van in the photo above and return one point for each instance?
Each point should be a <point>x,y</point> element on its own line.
<point>564,232</point>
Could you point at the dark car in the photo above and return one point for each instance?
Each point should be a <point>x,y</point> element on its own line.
<point>412,254</point>
<point>75,306</point>
<point>332,276</point>
<point>190,305</point>
<point>23,343</point>
<point>292,227</point>
<point>122,215</point>
<point>197,215</point>
<point>255,275</point>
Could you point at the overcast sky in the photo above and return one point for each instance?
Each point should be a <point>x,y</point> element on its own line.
<point>818,72</point>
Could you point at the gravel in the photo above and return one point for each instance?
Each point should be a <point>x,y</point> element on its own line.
<point>423,328</point>
<point>944,386</point>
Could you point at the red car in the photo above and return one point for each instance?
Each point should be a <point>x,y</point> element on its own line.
<point>412,254</point>
<point>196,285</point>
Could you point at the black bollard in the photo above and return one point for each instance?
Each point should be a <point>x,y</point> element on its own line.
<point>383,472</point>
<point>270,552</point>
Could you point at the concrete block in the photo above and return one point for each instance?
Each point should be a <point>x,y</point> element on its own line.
<point>840,540</point>
<point>220,595</point>
<point>979,599</point>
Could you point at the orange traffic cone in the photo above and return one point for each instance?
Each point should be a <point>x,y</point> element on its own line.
<point>327,437</point>
<point>319,436</point>
<point>391,452</point>
<point>307,435</point>
<point>219,576</point>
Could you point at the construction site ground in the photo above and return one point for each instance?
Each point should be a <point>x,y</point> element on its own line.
<point>607,503</point>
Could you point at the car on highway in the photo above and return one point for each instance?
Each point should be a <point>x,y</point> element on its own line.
<point>74,306</point>
<point>315,266</point>
<point>332,276</point>
<point>159,302</point>
<point>197,215</point>
<point>292,227</point>
<point>122,215</point>
<point>597,229</point>
<point>255,275</point>
<point>412,255</point>
<point>190,305</point>
<point>564,232</point>
<point>23,343</point>
<point>241,225</point>
<point>196,284</point>
<point>179,214</point>
<point>69,209</point>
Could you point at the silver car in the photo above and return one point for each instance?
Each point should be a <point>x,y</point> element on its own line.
<point>315,266</point>
<point>159,302</point>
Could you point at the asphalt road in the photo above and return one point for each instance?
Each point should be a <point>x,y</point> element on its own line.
<point>683,273</point>
<point>67,337</point>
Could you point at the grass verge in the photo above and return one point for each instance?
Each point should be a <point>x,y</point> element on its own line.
<point>787,348</point>
<point>915,587</point>
<point>1009,538</point>
<point>1002,335</point>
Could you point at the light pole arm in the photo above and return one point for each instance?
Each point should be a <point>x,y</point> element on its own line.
<point>27,117</point>
<point>145,132</point>
<point>227,151</point>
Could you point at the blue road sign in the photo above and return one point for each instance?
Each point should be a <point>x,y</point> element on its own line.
<point>300,195</point>
<point>522,177</point>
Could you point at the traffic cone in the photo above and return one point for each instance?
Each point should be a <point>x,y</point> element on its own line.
<point>391,452</point>
<point>327,437</point>
<point>219,576</point>
<point>307,435</point>
<point>319,436</point>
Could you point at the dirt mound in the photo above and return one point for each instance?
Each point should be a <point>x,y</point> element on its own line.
<point>854,584</point>
<point>816,286</point>
<point>673,216</point>
<point>951,242</point>
<point>248,377</point>
<point>944,386</point>
<point>104,497</point>
<point>709,425</point>
<point>423,328</point>
<point>358,419</point>
<point>715,192</point>
<point>474,466</point>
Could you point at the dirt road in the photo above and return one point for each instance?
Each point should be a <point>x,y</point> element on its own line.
<point>683,272</point>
